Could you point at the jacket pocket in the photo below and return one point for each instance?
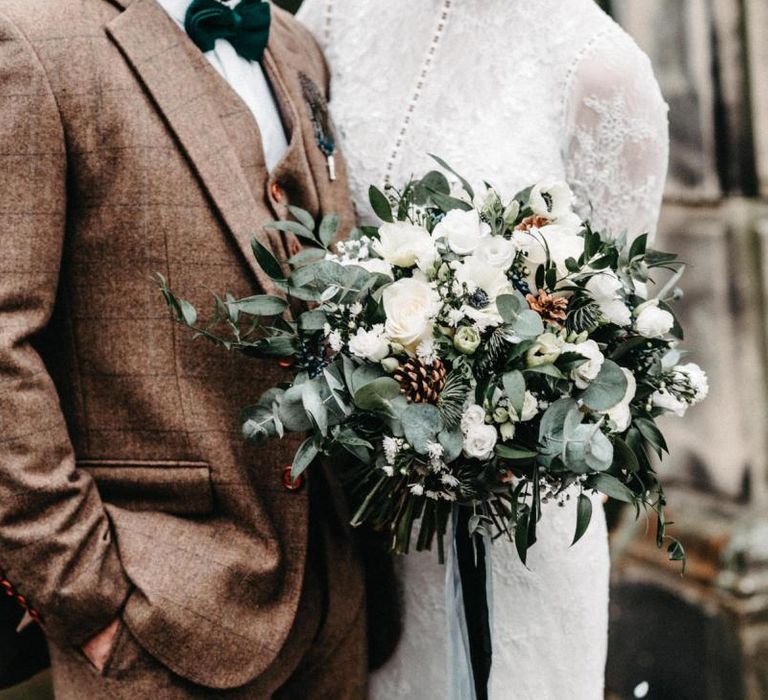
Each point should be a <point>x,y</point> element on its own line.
<point>181,488</point>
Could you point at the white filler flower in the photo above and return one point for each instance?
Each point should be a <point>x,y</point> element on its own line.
<point>370,345</point>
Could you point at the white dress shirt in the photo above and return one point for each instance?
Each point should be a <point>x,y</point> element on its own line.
<point>248,80</point>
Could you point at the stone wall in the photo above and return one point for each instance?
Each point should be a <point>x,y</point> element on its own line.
<point>705,635</point>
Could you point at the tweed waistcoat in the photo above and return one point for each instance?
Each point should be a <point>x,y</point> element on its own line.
<point>124,481</point>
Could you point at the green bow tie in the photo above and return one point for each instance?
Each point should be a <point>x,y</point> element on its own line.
<point>246,26</point>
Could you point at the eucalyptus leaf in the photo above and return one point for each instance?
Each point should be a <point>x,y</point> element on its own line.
<point>375,395</point>
<point>515,454</point>
<point>314,406</point>
<point>607,389</point>
<point>452,443</point>
<point>295,228</point>
<point>514,387</point>
<point>464,183</point>
<point>302,216</point>
<point>304,455</point>
<point>313,320</point>
<point>422,423</point>
<point>329,227</point>
<point>260,305</point>
<point>257,424</point>
<point>188,312</point>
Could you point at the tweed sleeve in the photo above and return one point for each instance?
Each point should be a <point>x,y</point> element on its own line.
<point>56,546</point>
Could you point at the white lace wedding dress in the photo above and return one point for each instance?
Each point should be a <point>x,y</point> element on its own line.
<point>510,91</point>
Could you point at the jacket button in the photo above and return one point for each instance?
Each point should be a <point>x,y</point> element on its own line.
<point>289,483</point>
<point>276,192</point>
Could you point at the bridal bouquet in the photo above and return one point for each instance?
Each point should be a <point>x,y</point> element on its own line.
<point>471,355</point>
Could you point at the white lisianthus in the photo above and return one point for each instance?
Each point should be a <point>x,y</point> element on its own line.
<point>479,442</point>
<point>604,286</point>
<point>374,265</point>
<point>663,399</point>
<point>530,407</point>
<point>507,431</point>
<point>653,322</point>
<point>462,230</point>
<point>585,373</point>
<point>546,350</point>
<point>562,242</point>
<point>551,198</point>
<point>620,413</point>
<point>402,244</point>
<point>616,312</point>
<point>697,378</point>
<point>410,305</point>
<point>473,415</point>
<point>370,345</point>
<point>497,252</point>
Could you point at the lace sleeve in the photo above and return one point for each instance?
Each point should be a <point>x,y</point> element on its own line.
<point>617,136</point>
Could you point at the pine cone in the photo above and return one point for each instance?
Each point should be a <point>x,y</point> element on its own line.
<point>552,309</point>
<point>419,382</point>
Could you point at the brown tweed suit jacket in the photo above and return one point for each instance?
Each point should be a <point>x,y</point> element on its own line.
<point>125,486</point>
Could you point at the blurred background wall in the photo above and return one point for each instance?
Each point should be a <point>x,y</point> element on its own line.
<point>703,636</point>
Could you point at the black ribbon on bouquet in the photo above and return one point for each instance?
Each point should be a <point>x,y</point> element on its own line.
<point>473,569</point>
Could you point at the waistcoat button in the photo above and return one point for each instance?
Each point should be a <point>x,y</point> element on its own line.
<point>289,483</point>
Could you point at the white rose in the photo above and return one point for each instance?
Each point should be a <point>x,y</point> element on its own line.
<point>604,286</point>
<point>551,198</point>
<point>620,413</point>
<point>462,230</point>
<point>497,252</point>
<point>584,374</point>
<point>371,345</point>
<point>402,244</point>
<point>530,407</point>
<point>410,304</point>
<point>663,399</point>
<point>653,322</point>
<point>616,312</point>
<point>376,265</point>
<point>697,378</point>
<point>480,441</point>
<point>472,416</point>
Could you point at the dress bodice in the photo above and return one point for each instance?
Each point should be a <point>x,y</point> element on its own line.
<point>505,90</point>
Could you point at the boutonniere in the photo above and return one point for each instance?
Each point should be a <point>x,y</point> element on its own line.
<point>321,121</point>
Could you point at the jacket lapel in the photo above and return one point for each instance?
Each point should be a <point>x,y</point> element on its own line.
<point>172,71</point>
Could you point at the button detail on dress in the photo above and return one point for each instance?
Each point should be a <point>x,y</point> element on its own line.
<point>290,483</point>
